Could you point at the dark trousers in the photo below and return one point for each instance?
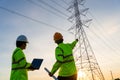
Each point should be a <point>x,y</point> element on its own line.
<point>73,77</point>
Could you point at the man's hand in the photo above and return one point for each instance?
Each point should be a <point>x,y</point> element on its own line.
<point>50,74</point>
<point>76,39</point>
<point>31,68</point>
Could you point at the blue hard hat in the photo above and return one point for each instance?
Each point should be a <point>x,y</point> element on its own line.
<point>22,38</point>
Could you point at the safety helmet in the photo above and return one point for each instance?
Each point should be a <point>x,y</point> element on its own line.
<point>57,36</point>
<point>22,38</point>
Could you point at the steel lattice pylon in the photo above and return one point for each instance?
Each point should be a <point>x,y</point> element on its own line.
<point>84,55</point>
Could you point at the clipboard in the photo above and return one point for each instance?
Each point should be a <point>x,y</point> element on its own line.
<point>36,63</point>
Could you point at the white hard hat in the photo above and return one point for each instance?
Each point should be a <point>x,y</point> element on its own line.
<point>22,38</point>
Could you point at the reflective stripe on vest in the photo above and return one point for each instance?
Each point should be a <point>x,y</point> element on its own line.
<point>64,57</point>
<point>19,67</point>
<point>65,61</point>
<point>17,62</point>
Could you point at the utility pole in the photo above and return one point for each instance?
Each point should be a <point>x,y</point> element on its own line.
<point>111,75</point>
<point>85,58</point>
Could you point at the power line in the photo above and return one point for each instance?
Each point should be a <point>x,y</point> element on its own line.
<point>36,4</point>
<point>106,45</point>
<point>64,2</point>
<point>53,8</point>
<point>105,42</point>
<point>58,4</point>
<point>29,18</point>
<point>102,33</point>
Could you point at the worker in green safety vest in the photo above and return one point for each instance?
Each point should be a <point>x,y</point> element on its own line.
<point>20,66</point>
<point>64,59</point>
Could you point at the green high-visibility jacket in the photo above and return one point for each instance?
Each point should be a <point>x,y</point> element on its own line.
<point>65,60</point>
<point>19,65</point>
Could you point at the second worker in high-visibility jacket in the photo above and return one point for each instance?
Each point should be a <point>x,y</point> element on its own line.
<point>20,66</point>
<point>64,59</point>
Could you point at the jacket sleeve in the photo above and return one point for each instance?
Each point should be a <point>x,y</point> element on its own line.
<point>21,59</point>
<point>59,60</point>
<point>73,44</point>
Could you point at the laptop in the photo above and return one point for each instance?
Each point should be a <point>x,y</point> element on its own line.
<point>36,63</point>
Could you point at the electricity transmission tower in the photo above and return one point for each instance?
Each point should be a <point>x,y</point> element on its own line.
<point>85,58</point>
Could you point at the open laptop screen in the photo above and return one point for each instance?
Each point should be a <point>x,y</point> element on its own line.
<point>36,63</point>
